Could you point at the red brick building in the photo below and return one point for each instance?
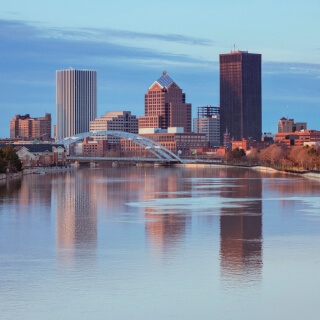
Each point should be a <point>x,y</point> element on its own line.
<point>25,127</point>
<point>298,138</point>
<point>41,155</point>
<point>165,106</point>
<point>100,148</point>
<point>178,143</point>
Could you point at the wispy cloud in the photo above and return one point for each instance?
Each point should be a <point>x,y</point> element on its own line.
<point>93,46</point>
<point>127,63</point>
<point>292,68</point>
<point>88,45</point>
<point>106,35</point>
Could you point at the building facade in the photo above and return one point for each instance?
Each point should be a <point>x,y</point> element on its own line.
<point>100,148</point>
<point>208,122</point>
<point>25,127</point>
<point>41,155</point>
<point>165,106</point>
<point>240,95</point>
<point>114,121</point>
<point>76,101</point>
<point>181,144</point>
<point>298,138</point>
<point>288,125</point>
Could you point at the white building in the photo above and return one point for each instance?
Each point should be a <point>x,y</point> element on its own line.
<point>114,121</point>
<point>76,101</point>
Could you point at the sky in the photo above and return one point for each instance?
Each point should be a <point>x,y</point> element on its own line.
<point>130,44</point>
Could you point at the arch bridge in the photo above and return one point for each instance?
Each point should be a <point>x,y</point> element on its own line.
<point>158,150</point>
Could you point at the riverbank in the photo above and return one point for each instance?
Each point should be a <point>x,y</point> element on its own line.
<point>305,174</point>
<point>38,170</point>
<point>5,176</point>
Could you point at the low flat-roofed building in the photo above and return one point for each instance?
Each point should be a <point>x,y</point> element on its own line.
<point>247,144</point>
<point>297,138</point>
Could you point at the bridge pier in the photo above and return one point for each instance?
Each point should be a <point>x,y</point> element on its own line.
<point>94,164</point>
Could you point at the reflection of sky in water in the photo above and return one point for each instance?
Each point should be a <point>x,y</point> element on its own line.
<point>160,244</point>
<point>201,204</point>
<point>193,205</point>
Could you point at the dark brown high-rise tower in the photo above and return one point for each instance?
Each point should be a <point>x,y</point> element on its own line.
<point>240,95</point>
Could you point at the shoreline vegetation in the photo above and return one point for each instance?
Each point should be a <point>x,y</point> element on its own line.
<point>297,160</point>
<point>200,164</point>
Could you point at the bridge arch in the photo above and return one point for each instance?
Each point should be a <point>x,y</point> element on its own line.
<point>152,146</point>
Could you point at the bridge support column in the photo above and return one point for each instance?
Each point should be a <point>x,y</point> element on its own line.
<point>94,164</point>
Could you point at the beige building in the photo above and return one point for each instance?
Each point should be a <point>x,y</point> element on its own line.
<point>25,127</point>
<point>114,121</point>
<point>288,125</point>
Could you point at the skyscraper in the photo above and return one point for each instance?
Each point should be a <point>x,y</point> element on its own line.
<point>76,99</point>
<point>165,106</point>
<point>240,95</point>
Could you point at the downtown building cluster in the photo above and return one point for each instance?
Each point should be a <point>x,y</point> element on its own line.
<point>168,116</point>
<point>167,119</point>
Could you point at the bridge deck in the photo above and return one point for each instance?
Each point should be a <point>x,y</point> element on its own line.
<point>137,159</point>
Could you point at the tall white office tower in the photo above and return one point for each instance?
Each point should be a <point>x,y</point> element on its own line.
<point>76,101</point>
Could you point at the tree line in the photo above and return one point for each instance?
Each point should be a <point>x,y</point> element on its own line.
<point>9,160</point>
<point>296,158</point>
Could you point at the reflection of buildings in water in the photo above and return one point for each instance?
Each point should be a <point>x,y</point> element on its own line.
<point>164,229</point>
<point>76,218</point>
<point>9,187</point>
<point>241,231</point>
<point>35,189</point>
<point>117,186</point>
<point>286,187</point>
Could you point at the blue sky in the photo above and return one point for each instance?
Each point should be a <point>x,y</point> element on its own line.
<point>130,43</point>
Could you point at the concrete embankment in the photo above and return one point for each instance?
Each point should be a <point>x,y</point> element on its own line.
<point>4,176</point>
<point>312,175</point>
<point>305,174</point>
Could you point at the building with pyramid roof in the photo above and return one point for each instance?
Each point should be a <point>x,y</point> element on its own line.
<point>165,106</point>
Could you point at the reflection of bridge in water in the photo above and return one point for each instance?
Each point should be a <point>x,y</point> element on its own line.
<point>161,153</point>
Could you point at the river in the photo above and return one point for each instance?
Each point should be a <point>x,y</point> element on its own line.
<point>160,243</point>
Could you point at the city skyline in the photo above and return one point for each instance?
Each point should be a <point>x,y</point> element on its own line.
<point>129,47</point>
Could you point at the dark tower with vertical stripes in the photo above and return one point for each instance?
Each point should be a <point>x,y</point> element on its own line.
<point>240,95</point>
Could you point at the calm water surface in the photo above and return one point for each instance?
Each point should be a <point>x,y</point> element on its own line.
<point>160,243</point>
